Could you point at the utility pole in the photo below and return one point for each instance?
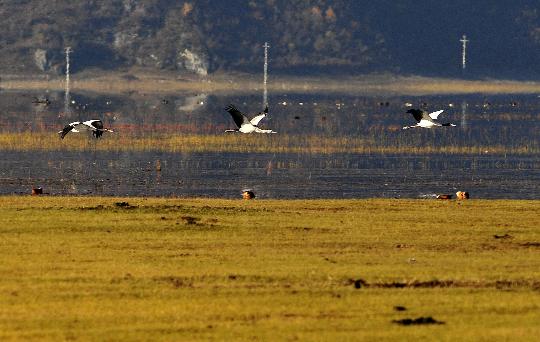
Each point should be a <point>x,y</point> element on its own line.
<point>464,41</point>
<point>66,98</point>
<point>265,89</point>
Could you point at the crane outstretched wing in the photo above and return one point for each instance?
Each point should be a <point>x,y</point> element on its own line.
<point>68,128</point>
<point>94,124</point>
<point>434,115</point>
<point>238,117</point>
<point>256,119</point>
<point>417,114</point>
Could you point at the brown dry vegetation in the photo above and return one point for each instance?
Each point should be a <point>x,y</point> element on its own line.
<point>280,143</point>
<point>238,83</point>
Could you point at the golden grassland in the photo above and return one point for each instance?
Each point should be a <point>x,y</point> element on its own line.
<point>143,81</point>
<point>253,143</point>
<point>211,269</point>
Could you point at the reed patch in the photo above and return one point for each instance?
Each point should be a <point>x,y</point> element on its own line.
<point>278,143</point>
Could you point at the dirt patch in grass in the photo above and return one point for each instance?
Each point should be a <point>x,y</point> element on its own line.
<point>176,282</point>
<point>499,284</point>
<point>191,220</point>
<point>96,207</point>
<point>125,205</point>
<point>530,244</point>
<point>505,236</point>
<point>417,321</point>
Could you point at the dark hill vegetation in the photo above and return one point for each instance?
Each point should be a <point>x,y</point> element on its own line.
<point>306,36</point>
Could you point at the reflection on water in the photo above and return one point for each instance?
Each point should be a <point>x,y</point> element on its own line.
<point>464,115</point>
<point>270,175</point>
<point>494,121</point>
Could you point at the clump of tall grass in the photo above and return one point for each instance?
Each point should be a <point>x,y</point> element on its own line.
<point>239,143</point>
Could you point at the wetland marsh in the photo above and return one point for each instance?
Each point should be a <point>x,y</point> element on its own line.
<point>310,258</point>
<point>328,146</point>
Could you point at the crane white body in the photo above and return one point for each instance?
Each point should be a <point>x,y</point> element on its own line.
<point>426,120</point>
<point>244,124</point>
<point>96,126</point>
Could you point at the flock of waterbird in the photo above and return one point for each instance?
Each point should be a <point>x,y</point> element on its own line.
<point>246,125</point>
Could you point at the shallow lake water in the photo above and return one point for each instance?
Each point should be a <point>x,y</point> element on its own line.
<point>269,175</point>
<point>502,120</point>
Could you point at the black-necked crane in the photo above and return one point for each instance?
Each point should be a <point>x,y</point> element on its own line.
<point>244,124</point>
<point>96,126</point>
<point>426,120</point>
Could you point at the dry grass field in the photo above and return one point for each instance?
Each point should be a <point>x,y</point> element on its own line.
<point>139,80</point>
<point>91,268</point>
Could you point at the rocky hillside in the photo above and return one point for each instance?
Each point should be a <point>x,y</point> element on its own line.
<point>306,36</point>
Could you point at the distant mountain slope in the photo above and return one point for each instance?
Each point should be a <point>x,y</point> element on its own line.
<point>203,36</point>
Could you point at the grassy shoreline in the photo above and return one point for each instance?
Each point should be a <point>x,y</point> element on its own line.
<point>246,83</point>
<point>206,269</point>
